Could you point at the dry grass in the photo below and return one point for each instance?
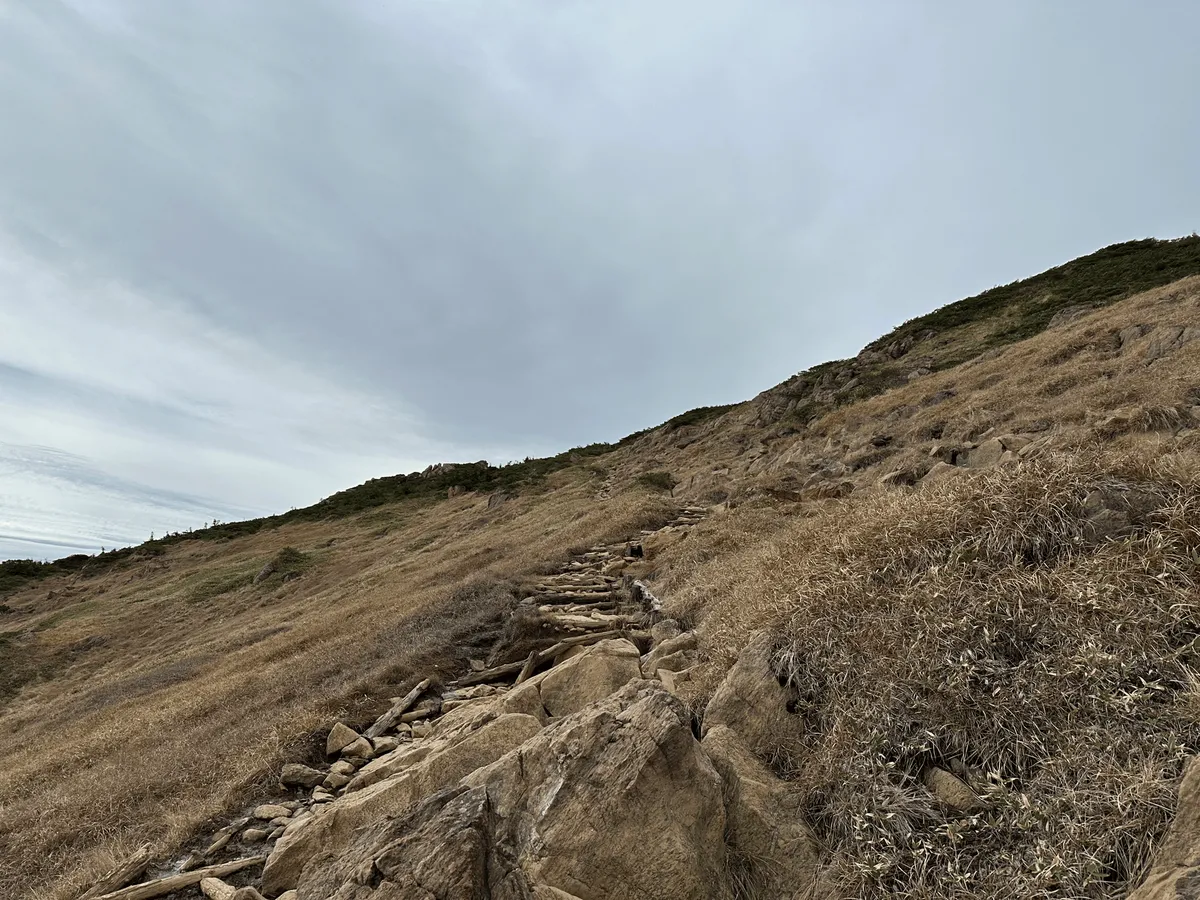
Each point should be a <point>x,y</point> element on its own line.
<point>974,625</point>
<point>165,694</point>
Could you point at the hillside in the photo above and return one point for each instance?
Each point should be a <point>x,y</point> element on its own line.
<point>930,613</point>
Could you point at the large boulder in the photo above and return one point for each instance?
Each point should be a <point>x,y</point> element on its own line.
<point>768,838</point>
<point>754,702</point>
<point>685,643</point>
<point>617,800</point>
<point>311,844</point>
<point>1175,871</point>
<point>592,675</point>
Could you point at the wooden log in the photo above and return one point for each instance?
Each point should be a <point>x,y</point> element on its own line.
<point>416,715</point>
<point>121,874</point>
<point>527,669</point>
<point>392,716</point>
<point>493,674</point>
<point>172,883</point>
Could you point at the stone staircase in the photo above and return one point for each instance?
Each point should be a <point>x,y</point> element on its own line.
<point>590,600</point>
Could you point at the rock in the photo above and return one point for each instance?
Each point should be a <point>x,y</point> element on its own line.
<point>296,775</point>
<point>330,832</point>
<point>988,453</point>
<point>343,767</point>
<point>321,795</point>
<point>940,472</point>
<point>1121,420</point>
<point>664,630</point>
<point>604,668</point>
<point>216,889</point>
<point>385,745</point>
<point>497,499</point>
<point>951,790</point>
<point>676,662</point>
<point>288,895</point>
<point>247,893</point>
<point>268,811</point>
<point>340,737</point>
<point>1133,333</point>
<point>1015,442</point>
<point>617,800</point>
<point>385,767</point>
<point>901,478</point>
<point>687,641</point>
<point>1069,314</point>
<point>765,820</point>
<point>1111,512</point>
<point>254,835</point>
<point>625,772</point>
<point>674,681</point>
<point>359,749</point>
<point>1166,339</point>
<point>656,543</point>
<point>1175,869</point>
<point>265,572</point>
<point>752,702</point>
<point>333,781</point>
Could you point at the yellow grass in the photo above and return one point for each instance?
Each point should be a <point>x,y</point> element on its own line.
<point>177,702</point>
<point>167,692</point>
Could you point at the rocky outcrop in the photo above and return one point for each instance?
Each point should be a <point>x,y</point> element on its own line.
<point>582,781</point>
<point>754,702</point>
<point>317,841</point>
<point>767,835</point>
<point>1175,871</point>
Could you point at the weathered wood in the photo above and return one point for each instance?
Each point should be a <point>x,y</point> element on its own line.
<point>601,622</point>
<point>567,643</point>
<point>527,669</point>
<point>161,886</point>
<point>568,597</point>
<point>493,674</point>
<point>392,716</point>
<point>120,875</point>
<point>416,715</point>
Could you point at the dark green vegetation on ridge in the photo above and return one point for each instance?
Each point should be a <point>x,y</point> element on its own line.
<point>1006,314</point>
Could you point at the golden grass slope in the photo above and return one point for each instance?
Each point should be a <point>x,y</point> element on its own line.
<point>973,623</point>
<point>169,692</point>
<point>981,624</point>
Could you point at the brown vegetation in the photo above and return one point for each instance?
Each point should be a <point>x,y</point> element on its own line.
<point>1030,626</point>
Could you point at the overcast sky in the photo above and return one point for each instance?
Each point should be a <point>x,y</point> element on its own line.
<point>256,251</point>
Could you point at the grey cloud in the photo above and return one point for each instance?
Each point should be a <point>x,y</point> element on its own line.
<point>58,465</point>
<point>535,225</point>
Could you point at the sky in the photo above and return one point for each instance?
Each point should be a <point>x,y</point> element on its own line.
<point>252,253</point>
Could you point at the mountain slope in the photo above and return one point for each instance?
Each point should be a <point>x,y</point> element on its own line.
<point>938,536</point>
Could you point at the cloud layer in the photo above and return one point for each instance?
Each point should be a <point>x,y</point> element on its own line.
<point>254,253</point>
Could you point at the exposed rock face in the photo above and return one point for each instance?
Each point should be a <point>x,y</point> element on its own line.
<point>1175,872</point>
<point>766,827</point>
<point>589,677</point>
<point>752,702</point>
<point>314,844</point>
<point>617,800</point>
